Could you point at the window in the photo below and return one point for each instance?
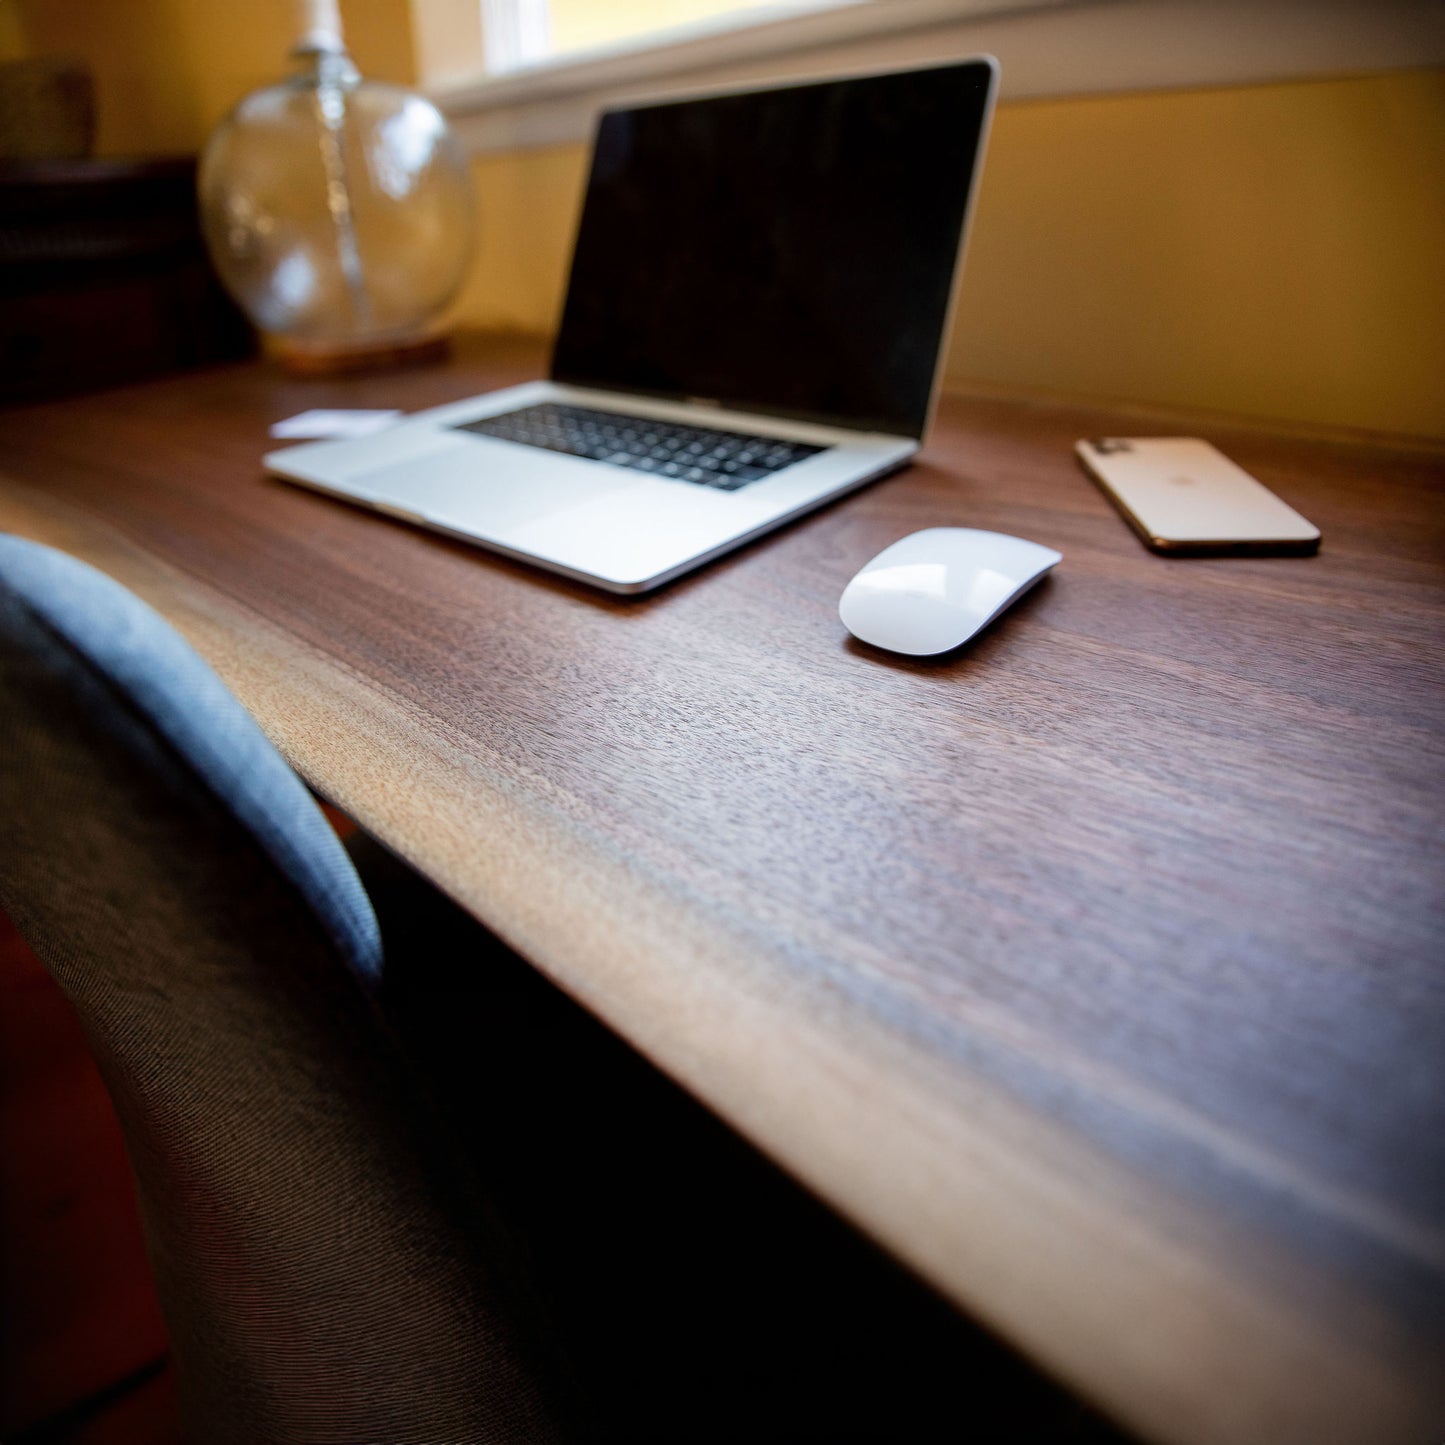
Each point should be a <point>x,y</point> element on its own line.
<point>522,33</point>
<point>552,65</point>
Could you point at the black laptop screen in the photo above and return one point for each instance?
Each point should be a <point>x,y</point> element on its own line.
<point>787,251</point>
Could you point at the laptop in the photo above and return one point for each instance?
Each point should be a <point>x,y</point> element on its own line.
<point>759,298</point>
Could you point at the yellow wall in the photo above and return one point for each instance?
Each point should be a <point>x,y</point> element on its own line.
<point>1270,250</point>
<point>167,70</point>
<point>1267,250</point>
<point>527,205</point>
<point>13,42</point>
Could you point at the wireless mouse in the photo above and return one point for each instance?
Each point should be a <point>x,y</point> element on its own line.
<point>932,591</point>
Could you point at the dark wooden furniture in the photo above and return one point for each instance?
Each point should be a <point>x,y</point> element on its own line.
<point>1097,971</point>
<point>104,278</point>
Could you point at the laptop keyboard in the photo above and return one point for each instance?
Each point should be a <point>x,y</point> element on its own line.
<point>726,460</point>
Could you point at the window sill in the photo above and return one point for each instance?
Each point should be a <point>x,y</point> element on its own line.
<point>1047,48</point>
<point>556,101</point>
<point>727,38</point>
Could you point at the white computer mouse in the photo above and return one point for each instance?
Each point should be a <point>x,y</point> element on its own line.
<point>932,591</point>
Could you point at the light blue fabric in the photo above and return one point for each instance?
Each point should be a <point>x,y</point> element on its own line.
<point>67,606</point>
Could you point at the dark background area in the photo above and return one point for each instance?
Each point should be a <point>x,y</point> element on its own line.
<point>790,251</point>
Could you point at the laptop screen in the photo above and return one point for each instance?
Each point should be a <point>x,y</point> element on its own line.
<point>787,251</point>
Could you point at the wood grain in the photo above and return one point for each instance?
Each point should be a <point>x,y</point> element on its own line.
<point>1096,970</point>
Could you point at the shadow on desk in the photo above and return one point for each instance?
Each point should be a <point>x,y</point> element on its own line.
<point>700,1295</point>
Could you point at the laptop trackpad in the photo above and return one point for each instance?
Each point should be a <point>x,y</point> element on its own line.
<point>485,486</point>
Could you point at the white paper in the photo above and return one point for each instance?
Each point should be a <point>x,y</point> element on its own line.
<point>324,425</point>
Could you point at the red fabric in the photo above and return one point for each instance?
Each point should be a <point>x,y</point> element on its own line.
<point>77,1308</point>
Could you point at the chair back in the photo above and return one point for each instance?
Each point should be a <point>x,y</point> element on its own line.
<point>327,1271</point>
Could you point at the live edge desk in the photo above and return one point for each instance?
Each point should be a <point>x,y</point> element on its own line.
<point>1099,971</point>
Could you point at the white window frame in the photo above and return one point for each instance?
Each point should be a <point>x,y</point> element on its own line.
<point>1047,48</point>
<point>515,34</point>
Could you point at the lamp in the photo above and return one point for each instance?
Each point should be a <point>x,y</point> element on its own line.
<point>337,210</point>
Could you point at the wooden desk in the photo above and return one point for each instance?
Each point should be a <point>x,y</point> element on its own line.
<point>1098,971</point>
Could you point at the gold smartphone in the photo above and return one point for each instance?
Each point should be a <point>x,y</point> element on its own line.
<point>1184,498</point>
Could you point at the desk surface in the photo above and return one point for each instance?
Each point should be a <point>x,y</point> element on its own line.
<point>1098,970</point>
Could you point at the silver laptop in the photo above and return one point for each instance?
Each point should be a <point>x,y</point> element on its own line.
<point>759,299</point>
